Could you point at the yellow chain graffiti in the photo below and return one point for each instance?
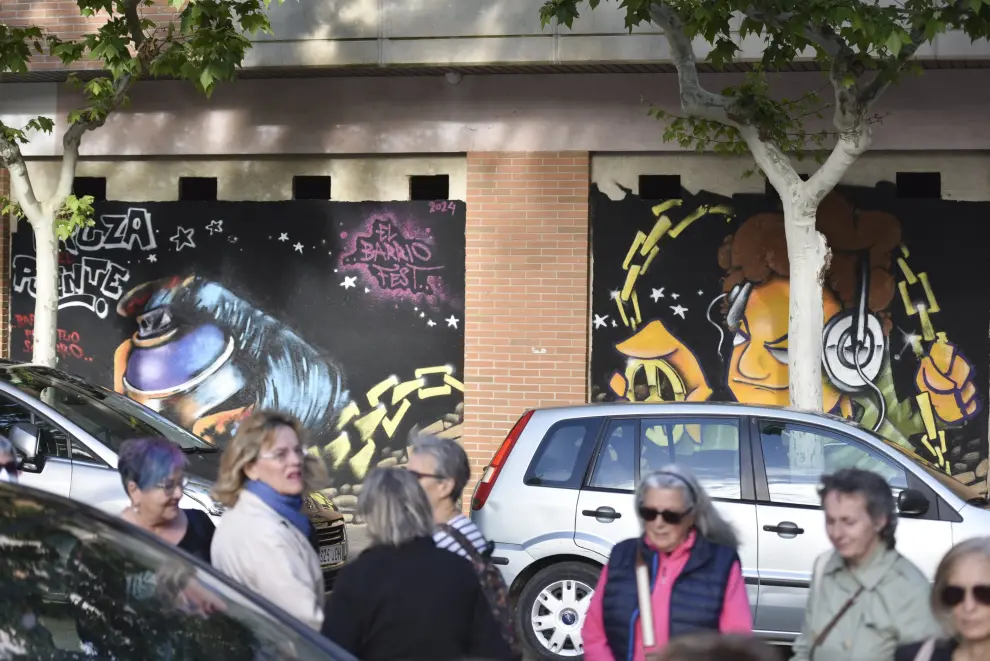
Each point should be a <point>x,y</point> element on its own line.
<point>644,250</point>
<point>923,309</point>
<point>364,425</point>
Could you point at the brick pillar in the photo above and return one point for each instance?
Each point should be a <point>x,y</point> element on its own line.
<point>4,270</point>
<point>526,313</point>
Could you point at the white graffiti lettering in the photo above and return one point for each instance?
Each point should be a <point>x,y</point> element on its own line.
<point>89,283</point>
<point>116,231</point>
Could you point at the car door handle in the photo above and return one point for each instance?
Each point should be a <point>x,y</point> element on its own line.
<point>603,514</point>
<point>786,529</point>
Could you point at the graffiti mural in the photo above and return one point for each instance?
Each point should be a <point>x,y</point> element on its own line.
<point>690,302</point>
<point>347,315</point>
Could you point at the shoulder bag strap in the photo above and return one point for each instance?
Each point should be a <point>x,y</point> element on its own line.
<point>926,651</point>
<point>462,540</point>
<point>835,620</point>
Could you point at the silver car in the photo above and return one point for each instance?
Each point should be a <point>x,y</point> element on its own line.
<point>558,495</point>
<point>68,432</point>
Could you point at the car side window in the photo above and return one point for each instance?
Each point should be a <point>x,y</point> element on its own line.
<point>708,448</point>
<point>796,457</point>
<point>53,441</point>
<point>562,457</point>
<point>615,465</point>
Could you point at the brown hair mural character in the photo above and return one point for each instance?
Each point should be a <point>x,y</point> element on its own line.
<point>861,285</point>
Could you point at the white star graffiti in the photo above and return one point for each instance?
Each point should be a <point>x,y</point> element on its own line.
<point>349,281</point>
<point>679,310</point>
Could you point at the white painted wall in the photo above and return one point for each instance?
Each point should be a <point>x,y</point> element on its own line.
<point>352,179</point>
<point>965,175</point>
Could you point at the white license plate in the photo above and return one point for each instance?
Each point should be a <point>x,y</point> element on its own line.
<point>331,555</point>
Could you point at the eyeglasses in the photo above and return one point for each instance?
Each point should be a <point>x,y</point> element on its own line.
<point>169,486</point>
<point>953,595</point>
<point>420,476</point>
<point>282,455</point>
<point>673,518</point>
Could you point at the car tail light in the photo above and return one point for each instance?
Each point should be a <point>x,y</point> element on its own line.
<point>494,468</point>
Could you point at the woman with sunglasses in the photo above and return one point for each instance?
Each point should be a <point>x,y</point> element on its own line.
<point>264,542</point>
<point>960,600</point>
<point>681,576</point>
<point>865,597</point>
<point>152,471</point>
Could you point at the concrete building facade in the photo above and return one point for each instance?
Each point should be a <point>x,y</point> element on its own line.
<point>523,121</point>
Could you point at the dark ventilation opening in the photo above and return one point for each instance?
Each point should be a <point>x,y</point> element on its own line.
<point>660,186</point>
<point>310,188</point>
<point>95,186</point>
<point>197,189</point>
<point>772,193</point>
<point>429,187</point>
<point>919,185</point>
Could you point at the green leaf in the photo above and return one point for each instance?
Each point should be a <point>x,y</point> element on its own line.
<point>894,43</point>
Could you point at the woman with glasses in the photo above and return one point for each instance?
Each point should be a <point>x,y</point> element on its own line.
<point>404,599</point>
<point>264,542</point>
<point>152,471</point>
<point>865,597</point>
<point>960,600</point>
<point>681,576</point>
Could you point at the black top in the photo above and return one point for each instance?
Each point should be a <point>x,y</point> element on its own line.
<point>942,652</point>
<point>199,535</point>
<point>412,602</point>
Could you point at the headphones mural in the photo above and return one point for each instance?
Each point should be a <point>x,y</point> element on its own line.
<point>656,335</point>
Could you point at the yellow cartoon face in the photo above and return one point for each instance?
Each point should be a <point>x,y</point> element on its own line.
<point>758,367</point>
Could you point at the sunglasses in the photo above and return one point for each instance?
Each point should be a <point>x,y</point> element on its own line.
<point>649,514</point>
<point>953,595</point>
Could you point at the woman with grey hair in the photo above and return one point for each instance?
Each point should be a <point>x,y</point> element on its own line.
<point>960,601</point>
<point>8,461</point>
<point>403,598</point>
<point>686,558</point>
<point>443,470</point>
<point>865,598</point>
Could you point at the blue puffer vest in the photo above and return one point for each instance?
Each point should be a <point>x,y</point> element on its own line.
<point>696,599</point>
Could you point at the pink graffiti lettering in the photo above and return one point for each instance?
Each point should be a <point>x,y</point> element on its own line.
<point>398,263</point>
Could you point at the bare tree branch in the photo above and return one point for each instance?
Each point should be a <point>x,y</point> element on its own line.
<point>73,139</point>
<point>695,99</point>
<point>134,23</point>
<point>829,42</point>
<point>20,182</point>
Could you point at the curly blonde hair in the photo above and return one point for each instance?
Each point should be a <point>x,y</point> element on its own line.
<point>254,435</point>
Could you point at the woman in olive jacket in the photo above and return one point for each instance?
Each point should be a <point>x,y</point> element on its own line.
<point>866,598</point>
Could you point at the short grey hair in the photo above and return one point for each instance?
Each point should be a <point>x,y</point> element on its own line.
<point>874,490</point>
<point>975,546</point>
<point>708,522</point>
<point>395,507</point>
<point>450,458</point>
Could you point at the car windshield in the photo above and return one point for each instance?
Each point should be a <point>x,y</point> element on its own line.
<point>966,493</point>
<point>107,416</point>
<point>78,584</point>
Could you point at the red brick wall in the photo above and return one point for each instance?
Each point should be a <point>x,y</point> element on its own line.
<point>527,290</point>
<point>62,17</point>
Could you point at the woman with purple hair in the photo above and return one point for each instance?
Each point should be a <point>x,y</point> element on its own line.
<point>152,470</point>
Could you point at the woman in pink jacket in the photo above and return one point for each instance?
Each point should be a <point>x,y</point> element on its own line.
<point>683,574</point>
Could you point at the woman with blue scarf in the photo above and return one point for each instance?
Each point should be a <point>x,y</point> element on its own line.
<point>264,542</point>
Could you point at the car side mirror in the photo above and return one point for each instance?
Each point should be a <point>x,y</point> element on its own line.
<point>26,439</point>
<point>912,502</point>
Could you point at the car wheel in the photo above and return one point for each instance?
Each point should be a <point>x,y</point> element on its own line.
<point>552,607</point>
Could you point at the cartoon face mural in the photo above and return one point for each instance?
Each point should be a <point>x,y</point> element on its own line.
<point>891,361</point>
<point>347,315</point>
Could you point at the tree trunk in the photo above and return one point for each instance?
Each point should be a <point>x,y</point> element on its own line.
<point>46,292</point>
<point>808,254</point>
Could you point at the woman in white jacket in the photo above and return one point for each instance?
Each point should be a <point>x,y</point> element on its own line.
<point>263,542</point>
